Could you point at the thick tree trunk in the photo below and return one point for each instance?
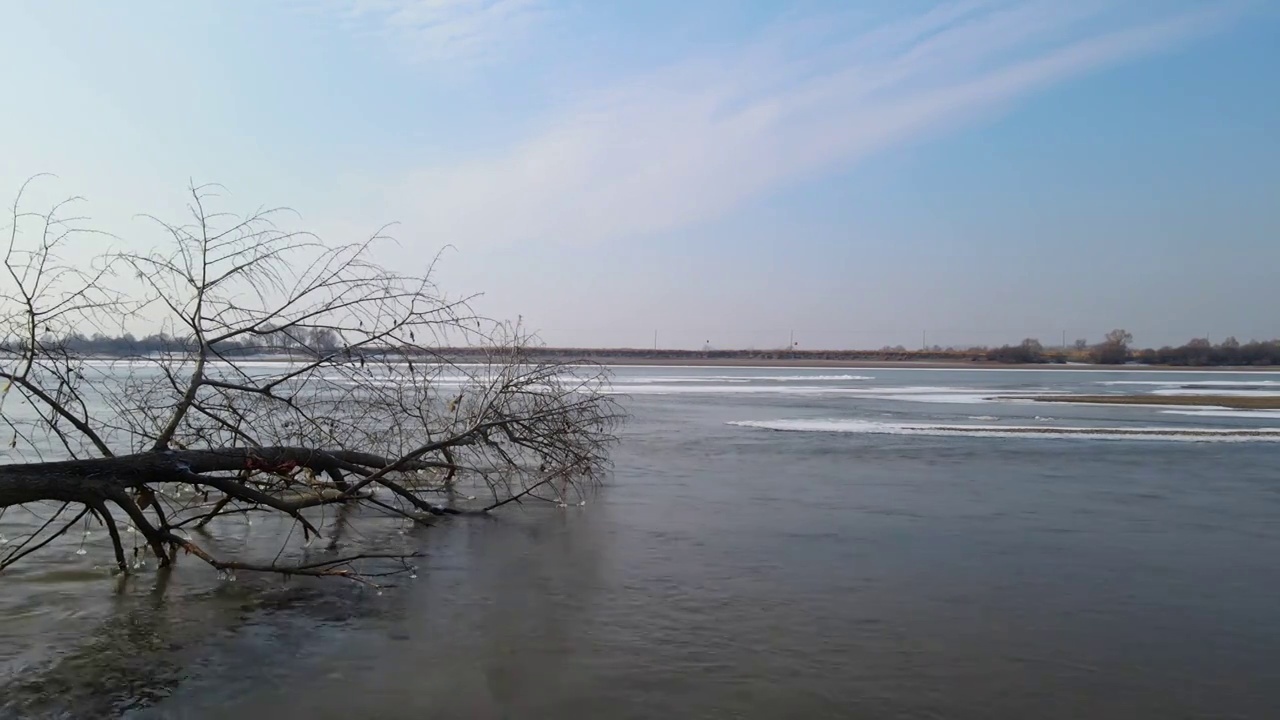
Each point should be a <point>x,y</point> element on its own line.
<point>124,480</point>
<point>86,481</point>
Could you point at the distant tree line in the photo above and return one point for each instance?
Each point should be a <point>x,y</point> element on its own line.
<point>1201,352</point>
<point>1115,349</point>
<point>1029,351</point>
<point>295,339</point>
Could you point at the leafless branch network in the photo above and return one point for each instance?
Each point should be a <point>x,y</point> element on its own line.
<point>288,375</point>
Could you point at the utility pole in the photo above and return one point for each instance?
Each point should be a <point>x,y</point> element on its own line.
<point>655,339</point>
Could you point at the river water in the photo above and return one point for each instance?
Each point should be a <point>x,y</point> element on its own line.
<point>879,543</point>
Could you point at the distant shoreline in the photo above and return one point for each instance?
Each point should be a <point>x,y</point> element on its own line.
<point>689,359</point>
<point>801,363</point>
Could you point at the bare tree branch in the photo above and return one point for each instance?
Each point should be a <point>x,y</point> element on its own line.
<point>291,375</point>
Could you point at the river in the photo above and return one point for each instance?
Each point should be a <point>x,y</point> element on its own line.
<point>879,543</point>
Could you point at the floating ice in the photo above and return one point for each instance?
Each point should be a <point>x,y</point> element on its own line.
<point>1167,434</point>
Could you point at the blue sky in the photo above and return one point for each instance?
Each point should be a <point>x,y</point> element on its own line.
<point>858,172</point>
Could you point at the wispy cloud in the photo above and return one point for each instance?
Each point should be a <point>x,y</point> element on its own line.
<point>447,31</point>
<point>691,142</point>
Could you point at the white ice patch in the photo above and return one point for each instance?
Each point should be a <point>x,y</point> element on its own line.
<point>738,389</point>
<point>1227,413</point>
<point>1154,404</point>
<point>869,427</point>
<point>1228,388</point>
<point>906,393</point>
<point>930,394</point>
<point>952,395</point>
<point>938,398</point>
<point>623,379</point>
<point>1206,383</point>
<point>657,380</point>
<point>1224,392</point>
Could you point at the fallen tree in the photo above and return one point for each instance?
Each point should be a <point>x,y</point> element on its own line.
<point>354,408</point>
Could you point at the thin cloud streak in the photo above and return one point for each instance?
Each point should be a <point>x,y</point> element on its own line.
<point>692,142</point>
<point>457,32</point>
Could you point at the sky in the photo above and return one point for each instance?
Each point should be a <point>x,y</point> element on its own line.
<point>853,174</point>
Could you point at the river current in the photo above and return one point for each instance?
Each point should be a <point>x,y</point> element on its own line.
<point>772,543</point>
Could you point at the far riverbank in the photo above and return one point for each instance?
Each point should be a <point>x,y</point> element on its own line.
<point>731,359</point>
<point>801,363</point>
